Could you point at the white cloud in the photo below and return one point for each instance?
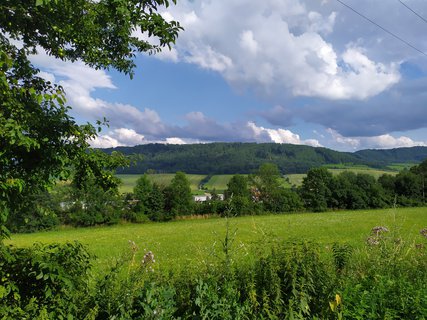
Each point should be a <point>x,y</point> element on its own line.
<point>276,46</point>
<point>175,140</point>
<point>385,141</point>
<point>247,42</point>
<point>118,137</point>
<point>80,81</point>
<point>104,141</point>
<point>47,76</point>
<point>320,24</point>
<point>208,58</point>
<point>261,134</point>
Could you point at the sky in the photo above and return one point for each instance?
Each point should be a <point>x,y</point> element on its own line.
<point>310,72</point>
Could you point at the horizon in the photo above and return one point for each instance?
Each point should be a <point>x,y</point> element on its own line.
<point>253,142</point>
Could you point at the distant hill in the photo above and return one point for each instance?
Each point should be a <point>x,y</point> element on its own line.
<point>231,158</point>
<point>389,156</point>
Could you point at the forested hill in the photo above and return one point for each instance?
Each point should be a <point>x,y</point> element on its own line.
<point>231,158</point>
<point>398,155</point>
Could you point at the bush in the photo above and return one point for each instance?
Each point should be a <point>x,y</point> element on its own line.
<point>49,281</point>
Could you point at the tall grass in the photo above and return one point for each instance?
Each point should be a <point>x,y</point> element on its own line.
<point>179,243</point>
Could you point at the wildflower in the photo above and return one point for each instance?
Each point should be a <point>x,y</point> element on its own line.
<point>148,258</point>
<point>373,241</point>
<point>378,230</point>
<point>335,304</point>
<point>133,246</point>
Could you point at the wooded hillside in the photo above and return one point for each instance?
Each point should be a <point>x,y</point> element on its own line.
<point>231,158</point>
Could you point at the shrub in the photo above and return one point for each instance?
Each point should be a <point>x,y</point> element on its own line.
<point>43,280</point>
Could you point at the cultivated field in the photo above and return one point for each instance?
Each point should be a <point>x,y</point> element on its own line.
<point>219,182</point>
<point>129,180</point>
<point>190,242</point>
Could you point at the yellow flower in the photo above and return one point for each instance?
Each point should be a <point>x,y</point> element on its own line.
<point>338,299</point>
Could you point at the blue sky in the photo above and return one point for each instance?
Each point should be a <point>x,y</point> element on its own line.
<point>290,71</point>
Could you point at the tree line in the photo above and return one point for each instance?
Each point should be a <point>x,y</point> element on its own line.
<point>87,202</point>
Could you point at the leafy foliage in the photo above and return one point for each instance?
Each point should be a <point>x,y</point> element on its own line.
<point>39,141</point>
<point>49,281</point>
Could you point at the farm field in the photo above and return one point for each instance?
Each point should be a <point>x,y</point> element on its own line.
<point>296,179</point>
<point>218,182</point>
<point>373,172</point>
<point>129,180</point>
<point>190,242</point>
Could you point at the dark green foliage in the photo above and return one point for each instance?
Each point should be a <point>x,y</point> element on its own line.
<point>238,196</point>
<point>97,32</point>
<point>156,203</point>
<point>142,192</point>
<point>50,282</point>
<point>92,206</point>
<point>37,212</point>
<point>237,187</point>
<point>180,195</point>
<point>265,183</point>
<point>398,155</point>
<point>341,254</point>
<point>287,200</point>
<point>357,191</point>
<point>316,189</point>
<point>211,207</point>
<point>245,158</point>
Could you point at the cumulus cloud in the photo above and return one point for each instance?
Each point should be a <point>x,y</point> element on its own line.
<point>80,81</point>
<point>261,134</point>
<point>118,137</point>
<point>385,141</point>
<point>278,46</point>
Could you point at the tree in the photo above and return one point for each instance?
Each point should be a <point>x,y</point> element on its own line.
<point>315,189</point>
<point>237,187</point>
<point>408,187</point>
<point>266,182</point>
<point>39,141</point>
<point>421,171</point>
<point>238,195</point>
<point>272,195</point>
<point>156,203</point>
<point>142,191</point>
<point>180,195</point>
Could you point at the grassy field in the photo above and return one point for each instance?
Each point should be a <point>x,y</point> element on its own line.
<point>218,182</point>
<point>373,172</point>
<point>129,180</point>
<point>296,179</point>
<point>179,243</point>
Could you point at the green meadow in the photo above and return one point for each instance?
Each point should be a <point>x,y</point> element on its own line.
<point>129,180</point>
<point>179,243</point>
<point>296,179</point>
<point>219,182</point>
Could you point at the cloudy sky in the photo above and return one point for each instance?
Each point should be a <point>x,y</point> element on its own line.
<point>287,71</point>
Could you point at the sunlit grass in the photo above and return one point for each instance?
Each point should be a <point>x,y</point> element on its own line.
<point>179,243</point>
